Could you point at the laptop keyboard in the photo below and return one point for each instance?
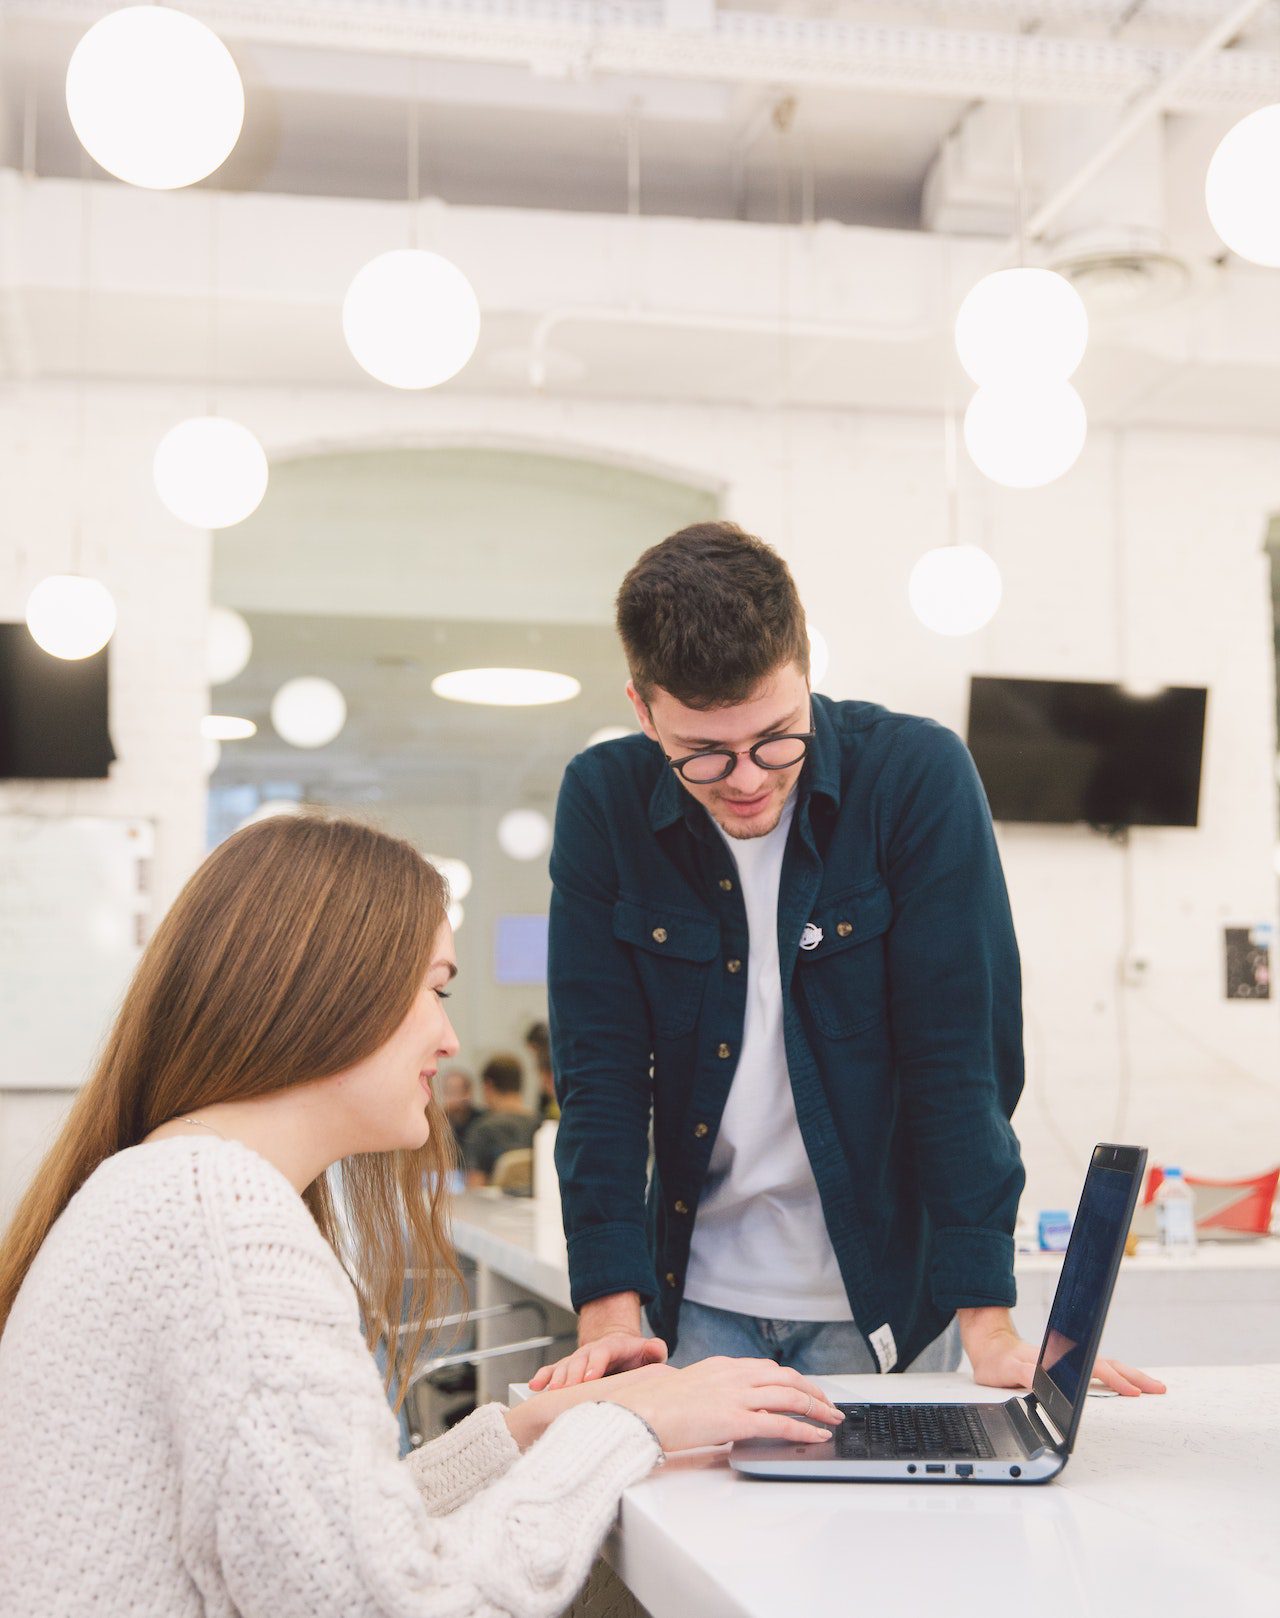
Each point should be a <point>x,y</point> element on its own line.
<point>910,1432</point>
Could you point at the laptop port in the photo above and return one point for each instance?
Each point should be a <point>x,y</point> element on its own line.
<point>964,1469</point>
<point>934,1466</point>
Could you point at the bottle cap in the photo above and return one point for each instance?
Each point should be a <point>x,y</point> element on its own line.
<point>1173,1172</point>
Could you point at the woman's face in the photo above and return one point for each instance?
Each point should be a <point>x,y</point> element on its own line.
<point>383,1100</point>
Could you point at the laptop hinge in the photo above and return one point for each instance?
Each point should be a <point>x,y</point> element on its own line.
<point>1034,1429</point>
<point>1043,1424</point>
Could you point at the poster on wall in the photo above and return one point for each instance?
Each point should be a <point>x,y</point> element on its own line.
<point>1247,952</point>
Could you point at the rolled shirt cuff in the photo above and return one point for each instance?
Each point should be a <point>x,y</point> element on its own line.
<point>972,1269</point>
<point>604,1259</point>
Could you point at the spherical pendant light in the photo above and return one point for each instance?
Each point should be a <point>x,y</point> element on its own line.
<point>1023,325</point>
<point>955,589</point>
<point>457,873</point>
<point>210,472</point>
<point>456,914</point>
<point>1241,191</point>
<point>70,616</point>
<point>608,733</point>
<point>229,645</point>
<point>411,319</point>
<point>1025,437</point>
<point>524,834</point>
<point>268,809</point>
<point>154,97</point>
<point>308,711</point>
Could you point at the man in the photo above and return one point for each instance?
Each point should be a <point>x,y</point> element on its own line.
<point>507,1126</point>
<point>780,923</point>
<point>457,1098</point>
<point>537,1041</point>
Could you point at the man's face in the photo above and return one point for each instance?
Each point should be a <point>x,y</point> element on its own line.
<point>455,1096</point>
<point>748,803</point>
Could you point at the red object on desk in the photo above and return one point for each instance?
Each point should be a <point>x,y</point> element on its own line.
<point>1240,1205</point>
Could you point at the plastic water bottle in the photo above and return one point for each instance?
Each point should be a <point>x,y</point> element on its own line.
<point>1176,1213</point>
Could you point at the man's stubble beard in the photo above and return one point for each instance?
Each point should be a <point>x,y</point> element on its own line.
<point>752,832</point>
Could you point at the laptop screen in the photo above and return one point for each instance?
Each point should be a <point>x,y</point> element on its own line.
<point>1088,1277</point>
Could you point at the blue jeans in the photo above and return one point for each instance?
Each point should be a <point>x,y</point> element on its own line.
<point>813,1347</point>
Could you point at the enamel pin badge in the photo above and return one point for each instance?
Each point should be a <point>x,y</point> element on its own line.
<point>811,937</point>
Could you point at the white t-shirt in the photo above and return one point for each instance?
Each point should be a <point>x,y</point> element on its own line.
<point>760,1243</point>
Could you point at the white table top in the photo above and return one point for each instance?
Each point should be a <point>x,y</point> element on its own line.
<point>1170,1506</point>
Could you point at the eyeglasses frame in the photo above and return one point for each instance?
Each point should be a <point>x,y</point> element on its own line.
<point>677,764</point>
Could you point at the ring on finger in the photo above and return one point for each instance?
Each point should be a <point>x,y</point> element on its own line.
<point>808,1407</point>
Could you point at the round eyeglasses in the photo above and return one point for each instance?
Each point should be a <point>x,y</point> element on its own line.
<point>716,763</point>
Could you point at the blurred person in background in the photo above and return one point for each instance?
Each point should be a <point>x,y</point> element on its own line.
<point>458,1099</point>
<point>236,1450</point>
<point>507,1124</point>
<point>537,1041</point>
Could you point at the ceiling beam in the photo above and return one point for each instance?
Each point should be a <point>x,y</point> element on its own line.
<point>599,37</point>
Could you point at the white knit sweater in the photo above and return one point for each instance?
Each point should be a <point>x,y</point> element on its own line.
<point>190,1424</point>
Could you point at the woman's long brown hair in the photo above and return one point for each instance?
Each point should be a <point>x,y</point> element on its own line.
<point>294,952</point>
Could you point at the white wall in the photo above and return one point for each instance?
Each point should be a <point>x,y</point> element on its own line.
<point>1144,562</point>
<point>160,580</point>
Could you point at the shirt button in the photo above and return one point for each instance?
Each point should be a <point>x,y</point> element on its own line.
<point>733,966</point>
<point>723,1052</point>
<point>671,1278</point>
<point>699,1130</point>
<point>659,935</point>
<point>726,884</point>
<point>682,1207</point>
<point>844,928</point>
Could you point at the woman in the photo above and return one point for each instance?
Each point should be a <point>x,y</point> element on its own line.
<point>190,1418</point>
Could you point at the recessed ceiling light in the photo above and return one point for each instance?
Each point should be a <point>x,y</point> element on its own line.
<point>223,727</point>
<point>506,688</point>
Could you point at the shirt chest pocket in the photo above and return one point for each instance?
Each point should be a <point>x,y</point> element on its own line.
<point>841,966</point>
<point>673,951</point>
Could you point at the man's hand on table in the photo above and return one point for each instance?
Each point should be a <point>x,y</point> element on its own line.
<point>609,1340</point>
<point>1000,1358</point>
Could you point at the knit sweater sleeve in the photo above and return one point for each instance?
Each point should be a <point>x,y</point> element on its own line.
<point>449,1470</point>
<point>316,1515</point>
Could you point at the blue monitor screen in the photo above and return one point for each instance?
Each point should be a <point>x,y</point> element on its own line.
<point>520,949</point>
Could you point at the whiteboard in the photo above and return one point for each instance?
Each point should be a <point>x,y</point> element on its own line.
<point>74,916</point>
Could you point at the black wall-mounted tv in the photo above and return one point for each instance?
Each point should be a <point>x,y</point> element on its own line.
<point>1064,751</point>
<point>53,712</point>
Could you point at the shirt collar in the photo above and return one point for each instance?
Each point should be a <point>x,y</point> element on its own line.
<point>821,773</point>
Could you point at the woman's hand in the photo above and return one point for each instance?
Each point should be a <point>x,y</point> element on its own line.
<point>714,1402</point>
<point>719,1400</point>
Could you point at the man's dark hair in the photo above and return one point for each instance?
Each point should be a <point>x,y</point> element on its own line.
<point>504,1074</point>
<point>538,1039</point>
<point>707,614</point>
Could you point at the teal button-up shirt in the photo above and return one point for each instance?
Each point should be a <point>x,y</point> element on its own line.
<point>903,1023</point>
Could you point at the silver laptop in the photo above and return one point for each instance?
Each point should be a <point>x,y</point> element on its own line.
<point>1024,1440</point>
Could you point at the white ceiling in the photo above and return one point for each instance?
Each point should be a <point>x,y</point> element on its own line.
<point>847,133</point>
<point>535,104</point>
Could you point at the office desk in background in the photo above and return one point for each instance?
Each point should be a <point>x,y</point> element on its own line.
<point>1219,1307</point>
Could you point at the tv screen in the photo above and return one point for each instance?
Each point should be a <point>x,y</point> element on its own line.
<point>1062,751</point>
<point>53,712</point>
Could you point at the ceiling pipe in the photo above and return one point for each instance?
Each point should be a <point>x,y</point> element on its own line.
<point>1156,100</point>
